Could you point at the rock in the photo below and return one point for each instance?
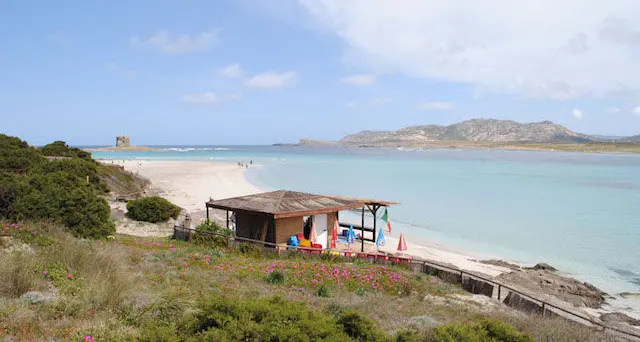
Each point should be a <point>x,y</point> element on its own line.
<point>542,266</point>
<point>35,297</point>
<point>500,263</point>
<point>423,322</point>
<point>618,318</point>
<point>630,295</point>
<point>541,281</point>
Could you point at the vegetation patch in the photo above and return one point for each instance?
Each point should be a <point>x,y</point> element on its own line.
<point>67,190</point>
<point>152,209</point>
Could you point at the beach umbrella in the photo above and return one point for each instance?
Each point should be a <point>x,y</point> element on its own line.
<point>313,235</point>
<point>402,245</point>
<point>381,241</point>
<point>334,235</point>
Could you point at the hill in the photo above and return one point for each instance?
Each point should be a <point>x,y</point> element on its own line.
<point>475,130</point>
<point>633,139</point>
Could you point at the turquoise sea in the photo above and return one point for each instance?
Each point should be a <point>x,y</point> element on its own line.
<point>577,212</point>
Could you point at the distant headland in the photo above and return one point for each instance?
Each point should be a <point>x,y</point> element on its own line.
<point>486,134</point>
<point>123,144</point>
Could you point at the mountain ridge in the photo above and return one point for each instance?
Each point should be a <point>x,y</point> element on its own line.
<point>474,130</point>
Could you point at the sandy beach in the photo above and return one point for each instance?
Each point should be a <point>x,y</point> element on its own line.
<point>190,184</point>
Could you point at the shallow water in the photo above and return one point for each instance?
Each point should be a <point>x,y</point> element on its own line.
<point>578,212</point>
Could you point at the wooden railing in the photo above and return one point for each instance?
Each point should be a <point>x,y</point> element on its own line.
<point>546,307</point>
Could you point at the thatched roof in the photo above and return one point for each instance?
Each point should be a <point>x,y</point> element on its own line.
<point>283,203</point>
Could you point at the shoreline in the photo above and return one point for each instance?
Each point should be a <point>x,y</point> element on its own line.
<point>189,184</point>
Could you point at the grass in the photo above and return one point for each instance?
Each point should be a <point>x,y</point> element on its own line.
<point>144,289</point>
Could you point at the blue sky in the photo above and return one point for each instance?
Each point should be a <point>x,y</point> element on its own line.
<point>259,72</point>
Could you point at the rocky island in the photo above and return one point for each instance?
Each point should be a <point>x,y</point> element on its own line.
<point>123,144</point>
<point>487,134</point>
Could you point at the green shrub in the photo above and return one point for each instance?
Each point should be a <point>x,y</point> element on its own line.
<point>61,149</point>
<point>219,238</point>
<point>408,335</point>
<point>483,331</point>
<point>33,188</point>
<point>323,291</point>
<point>62,196</point>
<point>152,209</point>
<point>359,327</point>
<point>275,277</point>
<point>232,319</point>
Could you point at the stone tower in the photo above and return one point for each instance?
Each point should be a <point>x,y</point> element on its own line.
<point>123,141</point>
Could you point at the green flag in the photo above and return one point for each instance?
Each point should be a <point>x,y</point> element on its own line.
<point>385,216</point>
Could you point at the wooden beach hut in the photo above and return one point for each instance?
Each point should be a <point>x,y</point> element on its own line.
<point>274,216</point>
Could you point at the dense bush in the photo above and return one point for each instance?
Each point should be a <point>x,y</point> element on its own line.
<point>64,197</point>
<point>226,319</point>
<point>61,149</point>
<point>483,331</point>
<point>17,155</point>
<point>220,236</point>
<point>33,188</point>
<point>152,209</point>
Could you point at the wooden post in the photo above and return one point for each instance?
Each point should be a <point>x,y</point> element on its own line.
<point>499,289</point>
<point>227,219</point>
<point>207,212</point>
<point>362,232</point>
<point>543,308</point>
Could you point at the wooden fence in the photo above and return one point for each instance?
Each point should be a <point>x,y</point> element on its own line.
<point>470,282</point>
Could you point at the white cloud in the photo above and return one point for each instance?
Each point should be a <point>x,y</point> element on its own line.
<point>272,80</point>
<point>636,111</point>
<point>359,80</point>
<point>59,37</point>
<point>200,98</point>
<point>351,104</point>
<point>381,100</point>
<point>232,71</point>
<point>437,106</point>
<point>577,114</point>
<point>166,42</point>
<point>613,110</point>
<point>233,96</point>
<point>122,70</point>
<point>545,48</point>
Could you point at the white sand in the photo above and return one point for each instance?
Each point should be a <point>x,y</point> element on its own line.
<point>190,184</point>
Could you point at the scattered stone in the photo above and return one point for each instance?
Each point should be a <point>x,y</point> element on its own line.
<point>542,266</point>
<point>35,297</point>
<point>619,318</point>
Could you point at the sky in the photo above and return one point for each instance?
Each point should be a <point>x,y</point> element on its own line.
<point>223,72</point>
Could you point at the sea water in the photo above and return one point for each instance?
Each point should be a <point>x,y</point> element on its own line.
<point>578,212</point>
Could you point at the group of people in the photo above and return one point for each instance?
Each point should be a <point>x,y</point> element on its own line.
<point>245,165</point>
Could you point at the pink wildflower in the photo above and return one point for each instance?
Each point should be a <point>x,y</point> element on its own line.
<point>89,338</point>
<point>45,273</point>
<point>69,276</point>
<point>185,264</point>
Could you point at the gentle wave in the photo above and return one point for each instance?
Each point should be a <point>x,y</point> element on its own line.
<point>189,149</point>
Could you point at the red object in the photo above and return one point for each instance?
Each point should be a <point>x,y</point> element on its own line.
<point>300,237</point>
<point>389,226</point>
<point>402,245</point>
<point>334,235</point>
<point>316,245</point>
